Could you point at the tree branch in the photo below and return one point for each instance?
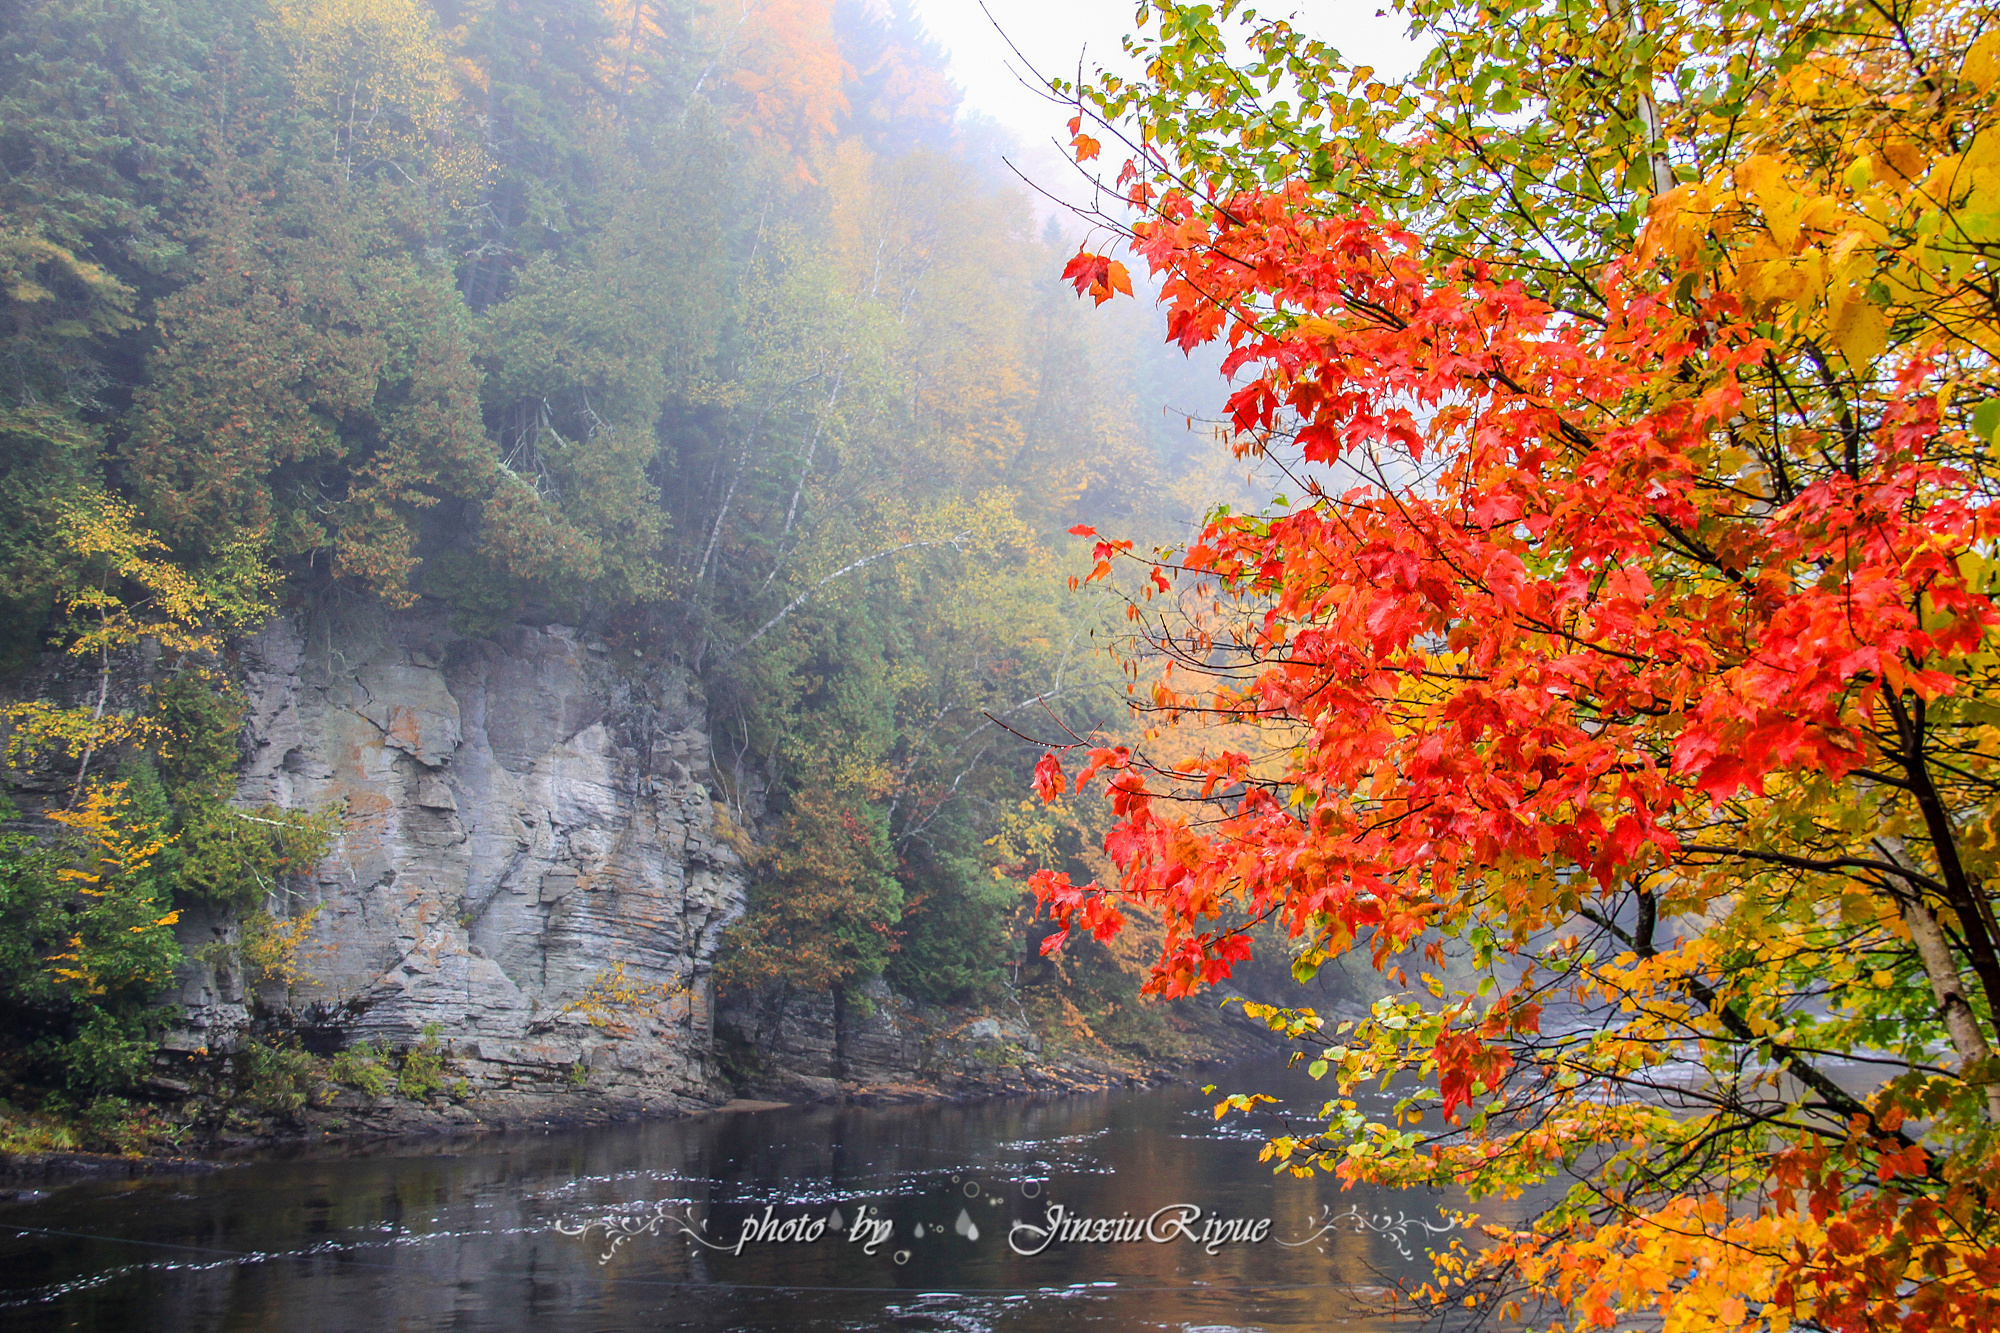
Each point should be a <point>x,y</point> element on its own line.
<point>847,568</point>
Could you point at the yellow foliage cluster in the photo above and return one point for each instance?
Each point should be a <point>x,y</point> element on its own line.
<point>380,78</point>
<point>122,587</point>
<point>1864,210</point>
<point>272,944</point>
<point>114,849</point>
<point>614,998</point>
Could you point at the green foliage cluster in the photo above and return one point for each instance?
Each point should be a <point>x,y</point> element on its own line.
<point>82,959</point>
<point>87,939</point>
<point>421,1071</point>
<point>103,1124</point>
<point>418,1071</point>
<point>364,1067</point>
<point>272,1077</point>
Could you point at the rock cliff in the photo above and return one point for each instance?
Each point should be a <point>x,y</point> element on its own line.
<point>532,866</point>
<point>531,879</point>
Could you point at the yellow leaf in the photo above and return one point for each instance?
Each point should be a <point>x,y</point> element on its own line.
<point>1847,257</point>
<point>1758,173</point>
<point>1664,230</point>
<point>1983,154</point>
<point>1943,182</point>
<point>1982,63</point>
<point>1820,213</point>
<point>1860,330</point>
<point>1763,178</point>
<point>1905,157</point>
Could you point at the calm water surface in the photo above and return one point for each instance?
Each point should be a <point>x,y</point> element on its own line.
<point>619,1228</point>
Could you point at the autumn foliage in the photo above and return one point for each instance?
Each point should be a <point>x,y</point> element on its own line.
<point>1620,684</point>
<point>691,325</point>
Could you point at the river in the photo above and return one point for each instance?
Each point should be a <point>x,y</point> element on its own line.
<point>796,1219</point>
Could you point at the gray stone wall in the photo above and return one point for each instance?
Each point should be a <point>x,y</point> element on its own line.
<point>532,860</point>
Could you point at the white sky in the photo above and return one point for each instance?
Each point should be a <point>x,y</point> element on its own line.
<point>1053,34</point>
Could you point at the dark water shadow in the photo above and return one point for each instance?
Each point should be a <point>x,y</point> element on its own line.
<point>638,1227</point>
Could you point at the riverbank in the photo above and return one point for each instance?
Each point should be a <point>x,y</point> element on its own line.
<point>212,1136</point>
<point>355,1117</point>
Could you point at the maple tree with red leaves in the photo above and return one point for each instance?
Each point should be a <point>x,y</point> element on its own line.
<point>1626,670</point>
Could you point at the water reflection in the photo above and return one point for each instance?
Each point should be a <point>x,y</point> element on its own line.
<point>817,1218</point>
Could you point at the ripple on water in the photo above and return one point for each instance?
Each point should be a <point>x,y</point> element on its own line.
<point>402,1239</point>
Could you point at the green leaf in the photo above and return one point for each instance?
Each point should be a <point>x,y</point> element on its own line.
<point>1986,418</point>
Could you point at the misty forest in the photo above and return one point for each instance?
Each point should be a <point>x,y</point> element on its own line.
<point>701,332</point>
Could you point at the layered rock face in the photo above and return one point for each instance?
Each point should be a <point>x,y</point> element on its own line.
<point>532,865</point>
